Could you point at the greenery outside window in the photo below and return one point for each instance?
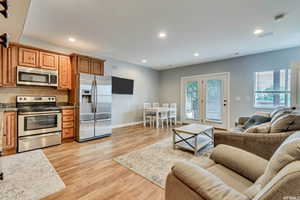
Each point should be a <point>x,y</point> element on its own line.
<point>272,88</point>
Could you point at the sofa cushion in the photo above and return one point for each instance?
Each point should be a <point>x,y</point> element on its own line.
<point>262,128</point>
<point>288,122</point>
<point>203,162</point>
<point>230,177</point>
<point>248,165</point>
<point>206,184</point>
<point>289,151</point>
<point>256,120</point>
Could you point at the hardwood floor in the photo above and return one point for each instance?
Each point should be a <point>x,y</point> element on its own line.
<point>89,172</point>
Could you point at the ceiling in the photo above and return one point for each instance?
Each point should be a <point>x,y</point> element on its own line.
<point>128,29</point>
<point>14,24</point>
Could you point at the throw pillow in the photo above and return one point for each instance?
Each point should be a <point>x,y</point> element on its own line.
<point>279,114</point>
<point>288,122</point>
<point>256,120</point>
<point>262,128</point>
<point>278,109</point>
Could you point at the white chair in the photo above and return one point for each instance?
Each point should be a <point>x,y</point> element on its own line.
<point>164,116</point>
<point>165,105</point>
<point>155,105</point>
<point>173,114</point>
<point>148,115</point>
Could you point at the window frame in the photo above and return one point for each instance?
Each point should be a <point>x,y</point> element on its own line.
<point>272,91</point>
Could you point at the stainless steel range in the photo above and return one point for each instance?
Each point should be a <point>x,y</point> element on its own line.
<point>39,122</point>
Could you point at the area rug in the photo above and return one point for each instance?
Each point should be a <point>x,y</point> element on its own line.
<point>154,162</point>
<point>28,176</point>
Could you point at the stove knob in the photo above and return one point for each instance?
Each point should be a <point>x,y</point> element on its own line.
<point>25,98</point>
<point>49,98</point>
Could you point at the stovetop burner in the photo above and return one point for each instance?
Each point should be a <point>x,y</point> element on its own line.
<point>38,108</point>
<point>36,104</point>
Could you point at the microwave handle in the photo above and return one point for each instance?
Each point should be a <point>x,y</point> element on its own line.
<point>49,79</point>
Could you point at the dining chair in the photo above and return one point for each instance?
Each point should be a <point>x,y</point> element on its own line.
<point>148,115</point>
<point>164,116</point>
<point>165,105</point>
<point>155,105</point>
<point>173,114</point>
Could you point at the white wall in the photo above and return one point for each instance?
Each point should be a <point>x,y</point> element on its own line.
<point>126,109</point>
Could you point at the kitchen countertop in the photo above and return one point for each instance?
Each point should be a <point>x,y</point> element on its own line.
<point>6,107</point>
<point>65,106</point>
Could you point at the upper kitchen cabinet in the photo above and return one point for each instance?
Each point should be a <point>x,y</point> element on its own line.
<point>35,57</point>
<point>28,57</point>
<point>48,60</point>
<point>8,66</point>
<point>84,64</point>
<point>97,67</point>
<point>88,65</point>
<point>64,71</point>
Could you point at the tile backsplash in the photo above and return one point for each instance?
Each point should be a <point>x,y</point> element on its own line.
<point>8,95</point>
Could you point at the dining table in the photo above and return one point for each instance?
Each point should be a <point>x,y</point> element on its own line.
<point>157,111</point>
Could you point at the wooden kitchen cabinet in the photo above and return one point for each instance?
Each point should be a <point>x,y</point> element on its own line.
<point>8,66</point>
<point>97,67</point>
<point>64,71</point>
<point>68,124</point>
<point>90,65</point>
<point>10,131</point>
<point>84,64</point>
<point>28,57</point>
<point>48,60</point>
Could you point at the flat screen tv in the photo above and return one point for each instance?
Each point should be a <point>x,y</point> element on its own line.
<point>122,86</point>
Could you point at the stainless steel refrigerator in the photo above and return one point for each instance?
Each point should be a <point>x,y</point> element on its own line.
<point>95,100</point>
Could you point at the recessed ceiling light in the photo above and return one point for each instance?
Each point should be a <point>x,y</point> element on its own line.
<point>71,39</point>
<point>162,35</point>
<point>258,31</point>
<point>144,61</point>
<point>196,54</point>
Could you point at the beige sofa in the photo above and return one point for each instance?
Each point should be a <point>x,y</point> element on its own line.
<point>234,174</point>
<point>263,139</point>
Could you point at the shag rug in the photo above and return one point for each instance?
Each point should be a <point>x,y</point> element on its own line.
<point>154,162</point>
<point>28,176</point>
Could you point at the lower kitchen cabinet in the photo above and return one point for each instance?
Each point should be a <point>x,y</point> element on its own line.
<point>68,124</point>
<point>9,132</point>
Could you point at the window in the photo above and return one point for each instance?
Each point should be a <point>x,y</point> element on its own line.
<point>272,88</point>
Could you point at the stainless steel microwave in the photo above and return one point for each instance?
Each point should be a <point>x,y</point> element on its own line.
<point>35,76</point>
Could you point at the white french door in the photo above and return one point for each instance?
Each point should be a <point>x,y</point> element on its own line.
<point>205,99</point>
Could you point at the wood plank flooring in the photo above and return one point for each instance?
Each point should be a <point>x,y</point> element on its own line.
<point>89,172</point>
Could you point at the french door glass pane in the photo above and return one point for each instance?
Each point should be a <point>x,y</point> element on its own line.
<point>192,107</point>
<point>213,100</point>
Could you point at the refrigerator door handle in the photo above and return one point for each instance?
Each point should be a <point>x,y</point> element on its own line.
<point>93,96</point>
<point>96,94</point>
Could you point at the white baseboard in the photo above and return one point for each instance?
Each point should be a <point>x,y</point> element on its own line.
<point>128,124</point>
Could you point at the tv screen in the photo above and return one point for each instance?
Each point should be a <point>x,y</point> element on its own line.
<point>122,86</point>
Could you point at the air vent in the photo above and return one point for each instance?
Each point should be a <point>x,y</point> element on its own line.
<point>279,17</point>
